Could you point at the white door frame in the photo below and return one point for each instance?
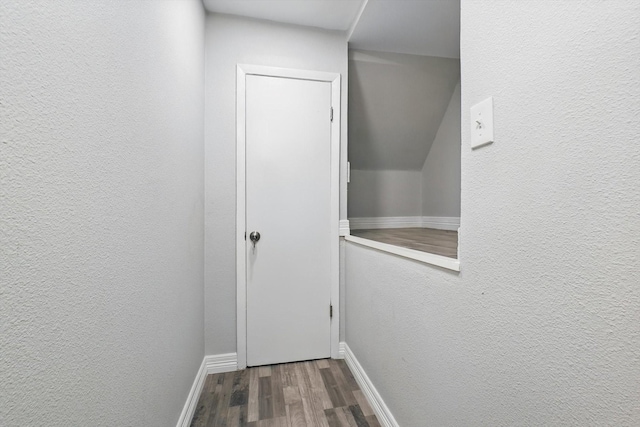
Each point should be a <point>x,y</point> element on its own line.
<point>241,262</point>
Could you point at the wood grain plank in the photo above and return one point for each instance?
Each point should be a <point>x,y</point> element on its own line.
<point>373,421</point>
<point>279,409</point>
<point>295,413</point>
<point>291,395</point>
<point>313,412</point>
<point>271,422</point>
<point>281,422</point>
<point>439,242</point>
<point>322,363</point>
<point>332,418</point>
<point>253,413</point>
<point>213,400</point>
<point>244,415</point>
<point>304,385</point>
<point>201,414</point>
<point>307,410</point>
<point>343,386</point>
<point>332,388</point>
<point>233,416</point>
<point>240,391</point>
<point>348,376</point>
<point>221,411</point>
<point>288,374</point>
<point>264,371</point>
<point>363,403</point>
<point>237,416</point>
<point>265,398</point>
<point>361,421</point>
<point>317,386</point>
<point>345,417</point>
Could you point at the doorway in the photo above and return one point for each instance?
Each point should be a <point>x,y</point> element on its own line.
<point>287,215</point>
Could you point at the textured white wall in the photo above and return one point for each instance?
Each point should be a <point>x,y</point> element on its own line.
<point>101,211</point>
<point>541,326</point>
<point>229,41</point>
<point>385,193</point>
<point>441,170</point>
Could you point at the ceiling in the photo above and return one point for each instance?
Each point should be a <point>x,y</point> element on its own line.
<point>418,27</point>
<point>403,68</point>
<point>327,14</point>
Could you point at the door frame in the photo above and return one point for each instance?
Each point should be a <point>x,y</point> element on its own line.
<point>243,70</point>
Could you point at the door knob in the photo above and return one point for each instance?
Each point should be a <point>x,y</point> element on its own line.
<point>254,236</point>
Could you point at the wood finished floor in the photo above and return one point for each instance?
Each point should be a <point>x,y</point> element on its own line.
<point>439,242</point>
<point>319,393</point>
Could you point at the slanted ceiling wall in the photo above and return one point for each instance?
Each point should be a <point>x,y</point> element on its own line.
<point>396,105</point>
<point>433,191</point>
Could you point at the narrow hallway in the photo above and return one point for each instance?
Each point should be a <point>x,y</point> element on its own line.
<point>319,393</point>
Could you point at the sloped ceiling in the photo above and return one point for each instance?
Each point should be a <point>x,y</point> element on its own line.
<point>327,14</point>
<point>396,104</point>
<point>418,27</point>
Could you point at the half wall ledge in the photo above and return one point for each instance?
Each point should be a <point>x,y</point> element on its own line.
<point>425,257</point>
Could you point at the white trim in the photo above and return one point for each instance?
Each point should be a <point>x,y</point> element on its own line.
<point>241,281</point>
<point>385,222</point>
<point>218,363</point>
<point>213,364</point>
<point>441,222</point>
<point>342,349</point>
<point>384,415</point>
<point>438,260</point>
<point>241,261</point>
<point>437,222</point>
<point>344,227</point>
<point>192,399</point>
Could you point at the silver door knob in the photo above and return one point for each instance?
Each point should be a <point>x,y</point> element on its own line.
<point>254,236</point>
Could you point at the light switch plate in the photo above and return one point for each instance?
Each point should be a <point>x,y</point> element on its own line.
<point>482,123</point>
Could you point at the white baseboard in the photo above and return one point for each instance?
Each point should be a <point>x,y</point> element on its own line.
<point>344,227</point>
<point>192,398</point>
<point>214,364</point>
<point>385,418</point>
<point>438,222</point>
<point>385,222</point>
<point>218,363</point>
<point>342,349</point>
<point>441,222</point>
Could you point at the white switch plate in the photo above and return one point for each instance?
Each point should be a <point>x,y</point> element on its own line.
<point>482,123</point>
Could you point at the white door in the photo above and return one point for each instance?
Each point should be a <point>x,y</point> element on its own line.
<point>288,191</point>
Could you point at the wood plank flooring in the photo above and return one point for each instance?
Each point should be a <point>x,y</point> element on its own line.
<point>439,242</point>
<point>319,393</point>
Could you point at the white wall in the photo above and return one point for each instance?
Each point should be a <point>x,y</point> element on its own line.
<point>229,41</point>
<point>540,327</point>
<point>101,201</point>
<point>385,193</point>
<point>441,170</point>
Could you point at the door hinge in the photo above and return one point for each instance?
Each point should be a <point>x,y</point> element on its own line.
<point>331,113</point>
<point>331,311</point>
<point>245,235</point>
